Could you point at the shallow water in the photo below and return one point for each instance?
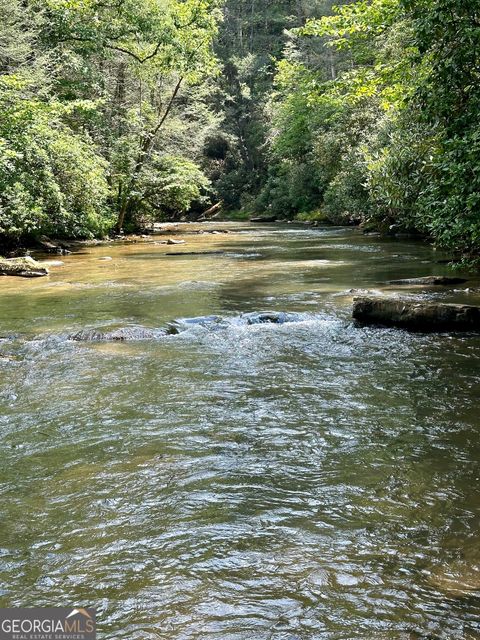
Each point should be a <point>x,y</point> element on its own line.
<point>304,481</point>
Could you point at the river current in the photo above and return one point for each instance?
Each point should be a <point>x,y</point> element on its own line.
<point>306,481</point>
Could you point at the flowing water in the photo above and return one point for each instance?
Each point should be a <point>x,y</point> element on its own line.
<point>310,480</point>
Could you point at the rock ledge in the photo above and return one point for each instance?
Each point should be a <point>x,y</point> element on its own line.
<point>25,267</point>
<point>416,316</point>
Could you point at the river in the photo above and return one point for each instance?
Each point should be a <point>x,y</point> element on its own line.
<point>305,481</point>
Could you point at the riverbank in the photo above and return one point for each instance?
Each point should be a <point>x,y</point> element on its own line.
<point>65,246</point>
<point>219,225</point>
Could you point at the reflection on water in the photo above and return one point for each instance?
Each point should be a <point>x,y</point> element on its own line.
<point>303,481</point>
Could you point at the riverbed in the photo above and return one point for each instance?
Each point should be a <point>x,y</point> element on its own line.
<point>306,481</point>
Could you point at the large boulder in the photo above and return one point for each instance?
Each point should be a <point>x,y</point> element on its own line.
<point>25,267</point>
<point>416,316</point>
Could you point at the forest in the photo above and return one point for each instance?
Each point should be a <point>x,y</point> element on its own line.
<point>118,113</point>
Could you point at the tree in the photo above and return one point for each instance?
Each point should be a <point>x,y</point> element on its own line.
<point>156,49</point>
<point>52,178</point>
<point>392,137</point>
<point>94,98</point>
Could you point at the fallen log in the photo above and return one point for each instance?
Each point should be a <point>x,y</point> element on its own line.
<point>212,212</point>
<point>25,267</point>
<point>416,316</point>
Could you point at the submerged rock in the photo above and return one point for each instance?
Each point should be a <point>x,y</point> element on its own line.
<point>217,322</point>
<point>264,219</point>
<point>357,292</point>
<point>195,253</point>
<point>182,324</point>
<point>416,316</point>
<point>170,241</point>
<point>458,580</point>
<point>270,317</point>
<point>52,263</point>
<point>25,267</point>
<point>122,334</point>
<point>430,280</point>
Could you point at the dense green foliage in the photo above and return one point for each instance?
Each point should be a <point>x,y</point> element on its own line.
<point>254,36</point>
<point>114,114</point>
<point>91,130</point>
<point>393,138</point>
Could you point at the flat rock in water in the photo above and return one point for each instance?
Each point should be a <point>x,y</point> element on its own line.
<point>170,241</point>
<point>122,334</point>
<point>264,219</point>
<point>25,267</point>
<point>430,280</point>
<point>416,316</point>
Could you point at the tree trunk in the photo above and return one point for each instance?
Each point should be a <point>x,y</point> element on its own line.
<point>143,155</point>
